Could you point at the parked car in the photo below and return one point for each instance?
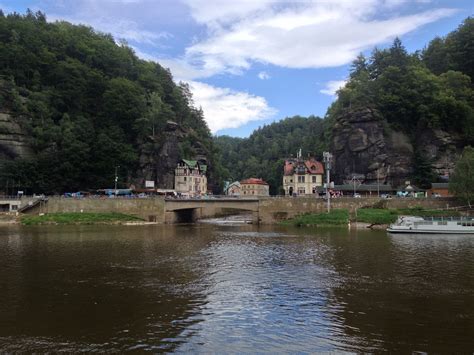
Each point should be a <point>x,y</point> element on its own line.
<point>435,194</point>
<point>356,195</point>
<point>385,196</point>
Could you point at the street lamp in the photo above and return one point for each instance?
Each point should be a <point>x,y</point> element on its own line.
<point>327,158</point>
<point>116,178</point>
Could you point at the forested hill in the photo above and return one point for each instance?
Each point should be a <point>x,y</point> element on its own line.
<point>263,154</point>
<point>405,116</point>
<point>75,105</point>
<point>400,117</point>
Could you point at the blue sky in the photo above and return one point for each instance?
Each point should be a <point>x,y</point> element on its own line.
<point>252,62</point>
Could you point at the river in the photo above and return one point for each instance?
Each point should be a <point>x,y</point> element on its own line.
<point>224,288</point>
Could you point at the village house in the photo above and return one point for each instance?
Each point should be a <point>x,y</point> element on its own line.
<point>233,189</point>
<point>440,189</point>
<point>302,176</point>
<point>190,178</point>
<point>254,187</point>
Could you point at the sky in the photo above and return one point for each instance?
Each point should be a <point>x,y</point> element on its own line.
<point>253,62</point>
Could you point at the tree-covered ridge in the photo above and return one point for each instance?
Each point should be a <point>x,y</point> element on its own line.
<point>87,104</point>
<point>415,93</point>
<point>407,94</point>
<point>263,154</point>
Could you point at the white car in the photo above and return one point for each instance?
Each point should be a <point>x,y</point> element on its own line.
<point>356,195</point>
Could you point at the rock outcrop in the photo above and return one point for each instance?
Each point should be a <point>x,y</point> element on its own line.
<point>160,155</point>
<point>13,140</point>
<point>364,144</point>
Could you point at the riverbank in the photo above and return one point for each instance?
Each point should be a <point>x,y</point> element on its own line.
<point>80,218</point>
<point>363,218</point>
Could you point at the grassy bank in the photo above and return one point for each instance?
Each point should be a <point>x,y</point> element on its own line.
<point>337,217</point>
<point>78,218</point>
<point>364,215</point>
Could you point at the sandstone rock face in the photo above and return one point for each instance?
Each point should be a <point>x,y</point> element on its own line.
<point>441,149</point>
<point>159,157</point>
<point>13,141</point>
<point>363,144</point>
<point>360,147</point>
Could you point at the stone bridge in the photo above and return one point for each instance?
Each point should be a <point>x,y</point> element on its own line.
<point>177,211</point>
<point>267,210</point>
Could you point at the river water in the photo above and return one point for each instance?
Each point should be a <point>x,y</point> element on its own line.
<point>233,288</point>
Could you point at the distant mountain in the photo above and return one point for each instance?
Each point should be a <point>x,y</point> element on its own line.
<point>75,105</point>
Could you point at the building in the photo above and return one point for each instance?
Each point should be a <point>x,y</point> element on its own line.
<point>233,189</point>
<point>254,187</point>
<point>190,178</point>
<point>439,190</point>
<point>302,176</point>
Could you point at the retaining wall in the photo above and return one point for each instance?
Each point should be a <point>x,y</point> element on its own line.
<point>150,209</point>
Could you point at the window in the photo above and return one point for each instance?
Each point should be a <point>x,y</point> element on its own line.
<point>301,191</point>
<point>300,178</point>
<point>314,179</point>
<point>185,178</point>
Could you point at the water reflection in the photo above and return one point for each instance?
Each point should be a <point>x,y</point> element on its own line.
<point>233,288</point>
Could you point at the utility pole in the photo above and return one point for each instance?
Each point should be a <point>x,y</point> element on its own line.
<point>327,158</point>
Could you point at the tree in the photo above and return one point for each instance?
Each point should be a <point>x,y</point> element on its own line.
<point>461,183</point>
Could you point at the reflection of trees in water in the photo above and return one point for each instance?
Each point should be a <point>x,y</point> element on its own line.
<point>406,294</point>
<point>86,288</point>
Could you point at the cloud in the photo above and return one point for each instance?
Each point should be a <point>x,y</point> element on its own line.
<point>120,29</point>
<point>332,86</point>
<point>263,75</point>
<point>308,34</point>
<point>225,108</point>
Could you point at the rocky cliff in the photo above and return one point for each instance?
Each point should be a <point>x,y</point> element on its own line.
<point>364,144</point>
<point>13,140</point>
<point>160,155</point>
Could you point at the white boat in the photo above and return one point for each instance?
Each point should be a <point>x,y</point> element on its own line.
<point>434,225</point>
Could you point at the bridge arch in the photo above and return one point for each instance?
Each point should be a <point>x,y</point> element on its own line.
<point>179,211</point>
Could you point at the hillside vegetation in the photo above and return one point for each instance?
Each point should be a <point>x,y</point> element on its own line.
<point>412,93</point>
<point>263,154</point>
<point>87,104</point>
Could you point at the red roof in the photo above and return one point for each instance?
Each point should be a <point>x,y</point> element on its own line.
<point>253,181</point>
<point>312,166</point>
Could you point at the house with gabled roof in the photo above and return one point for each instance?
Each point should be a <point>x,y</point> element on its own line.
<point>190,178</point>
<point>302,176</point>
<point>254,187</point>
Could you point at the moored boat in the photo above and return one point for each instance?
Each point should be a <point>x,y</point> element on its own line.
<point>434,225</point>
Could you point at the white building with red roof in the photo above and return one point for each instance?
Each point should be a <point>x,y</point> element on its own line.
<point>302,176</point>
<point>254,187</point>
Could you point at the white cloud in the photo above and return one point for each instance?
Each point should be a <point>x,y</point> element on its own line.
<point>332,86</point>
<point>120,29</point>
<point>226,108</point>
<point>308,34</point>
<point>263,75</point>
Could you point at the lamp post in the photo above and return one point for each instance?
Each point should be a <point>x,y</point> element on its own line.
<point>116,179</point>
<point>327,158</point>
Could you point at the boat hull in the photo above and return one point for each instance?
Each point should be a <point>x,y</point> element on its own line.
<point>426,231</point>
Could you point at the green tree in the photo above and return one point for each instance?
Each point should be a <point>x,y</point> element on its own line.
<point>462,181</point>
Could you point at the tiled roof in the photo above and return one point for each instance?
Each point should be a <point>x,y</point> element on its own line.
<point>190,163</point>
<point>311,165</point>
<point>253,181</point>
<point>314,167</point>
